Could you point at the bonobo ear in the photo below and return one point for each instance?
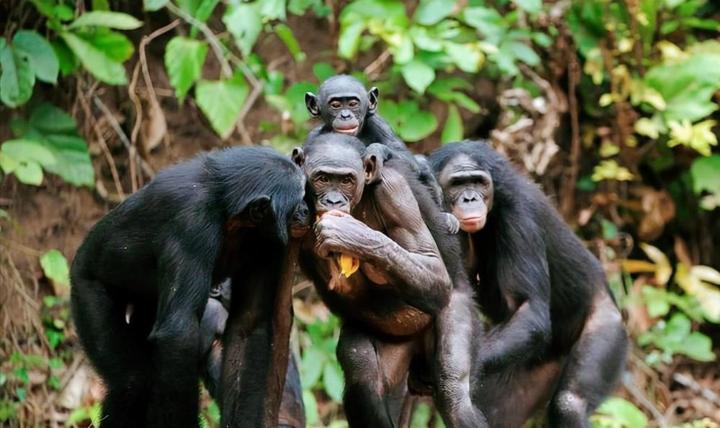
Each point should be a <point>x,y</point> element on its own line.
<point>311,101</point>
<point>373,94</point>
<point>298,156</point>
<point>259,209</point>
<point>373,164</point>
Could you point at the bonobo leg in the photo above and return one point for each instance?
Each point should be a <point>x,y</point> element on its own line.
<point>175,356</point>
<point>593,366</point>
<point>117,350</point>
<point>457,330</point>
<point>375,377</point>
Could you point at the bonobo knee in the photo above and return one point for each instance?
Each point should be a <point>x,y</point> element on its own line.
<point>357,354</point>
<point>182,333</point>
<point>568,409</point>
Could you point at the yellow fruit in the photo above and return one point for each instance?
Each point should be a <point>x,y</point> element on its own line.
<point>348,265</point>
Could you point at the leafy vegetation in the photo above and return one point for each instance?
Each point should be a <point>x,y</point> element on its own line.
<point>633,87</point>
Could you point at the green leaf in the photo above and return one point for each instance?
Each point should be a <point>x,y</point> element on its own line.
<point>17,79</point>
<point>97,62</point>
<point>153,5</point>
<point>66,59</point>
<point>311,369</point>
<point>323,71</point>
<point>272,9</point>
<point>55,267</point>
<point>349,39</point>
<point>40,54</point>
<point>418,75</point>
<point>699,347</point>
<point>117,20</point>
<point>421,416</point>
<point>116,46</point>
<point>100,5</point>
<point>520,51</point>
<point>221,102</point>
<point>244,22</point>
<point>533,7</point>
<point>286,35</point>
<point>487,21</point>
<point>333,380</point>
<point>184,59</point>
<point>430,12</point>
<point>705,173</point>
<point>465,56</point>
<point>311,411</point>
<point>54,131</point>
<point>408,120</point>
<point>453,130</point>
<point>23,150</point>
<point>29,173</point>
<point>623,413</point>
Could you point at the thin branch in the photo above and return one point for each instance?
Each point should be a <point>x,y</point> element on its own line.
<point>209,35</point>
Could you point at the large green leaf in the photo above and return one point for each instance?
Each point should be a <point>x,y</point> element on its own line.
<point>24,150</point>
<point>184,59</point>
<point>418,75</point>
<point>532,7</point>
<point>55,131</point>
<point>453,130</point>
<point>244,22</point>
<point>116,46</point>
<point>17,79</point>
<point>349,40</point>
<point>221,102</point>
<point>705,172</point>
<point>29,173</point>
<point>97,62</point>
<point>39,52</point>
<point>117,20</point>
<point>430,12</point>
<point>408,120</point>
<point>333,380</point>
<point>153,5</point>
<point>467,57</point>
<point>623,413</point>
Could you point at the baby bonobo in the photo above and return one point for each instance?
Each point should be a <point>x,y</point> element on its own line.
<point>556,328</point>
<point>394,308</point>
<point>345,106</point>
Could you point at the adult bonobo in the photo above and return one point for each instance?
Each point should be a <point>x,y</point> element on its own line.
<point>557,332</point>
<point>376,264</point>
<point>142,277</point>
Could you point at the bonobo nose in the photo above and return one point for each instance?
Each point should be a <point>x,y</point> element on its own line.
<point>470,197</point>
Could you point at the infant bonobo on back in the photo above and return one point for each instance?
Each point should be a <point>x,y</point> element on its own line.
<point>223,215</point>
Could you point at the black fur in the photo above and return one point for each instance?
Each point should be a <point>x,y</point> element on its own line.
<point>155,258</point>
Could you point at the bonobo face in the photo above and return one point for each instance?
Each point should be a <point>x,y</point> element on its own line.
<point>335,174</point>
<point>343,104</point>
<point>468,190</point>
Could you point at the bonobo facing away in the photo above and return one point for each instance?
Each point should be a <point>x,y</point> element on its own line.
<point>557,332</point>
<point>223,215</point>
<point>394,306</point>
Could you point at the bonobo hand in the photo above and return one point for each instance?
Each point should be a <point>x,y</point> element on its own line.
<point>452,223</point>
<point>339,232</point>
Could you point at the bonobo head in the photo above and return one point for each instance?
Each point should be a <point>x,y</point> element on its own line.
<point>465,178</point>
<point>336,171</point>
<point>267,194</point>
<point>343,104</point>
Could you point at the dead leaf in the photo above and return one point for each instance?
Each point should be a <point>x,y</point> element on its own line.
<point>154,125</point>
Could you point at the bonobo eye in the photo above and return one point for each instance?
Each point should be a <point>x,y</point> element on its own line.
<point>335,104</point>
<point>347,180</point>
<point>353,104</point>
<point>322,178</point>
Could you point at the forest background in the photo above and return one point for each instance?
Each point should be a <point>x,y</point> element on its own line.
<point>611,106</point>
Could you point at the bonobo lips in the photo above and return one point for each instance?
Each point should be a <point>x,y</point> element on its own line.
<point>472,224</point>
<point>348,131</point>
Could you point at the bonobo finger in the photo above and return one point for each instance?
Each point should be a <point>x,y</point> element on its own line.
<point>337,213</point>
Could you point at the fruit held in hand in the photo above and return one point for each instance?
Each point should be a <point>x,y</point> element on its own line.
<point>348,265</point>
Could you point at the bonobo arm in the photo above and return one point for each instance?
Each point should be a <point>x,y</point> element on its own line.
<point>523,277</point>
<point>407,253</point>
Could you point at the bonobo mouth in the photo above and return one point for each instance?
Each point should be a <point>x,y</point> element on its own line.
<point>347,131</point>
<point>472,224</point>
<point>298,230</point>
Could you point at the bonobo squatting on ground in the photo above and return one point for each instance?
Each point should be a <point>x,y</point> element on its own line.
<point>556,333</point>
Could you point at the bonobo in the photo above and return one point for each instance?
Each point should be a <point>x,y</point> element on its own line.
<point>345,106</point>
<point>212,328</point>
<point>222,215</point>
<point>557,332</point>
<point>393,298</point>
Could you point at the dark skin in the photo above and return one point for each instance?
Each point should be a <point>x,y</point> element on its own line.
<point>394,305</point>
<point>557,333</point>
<point>159,253</point>
<point>212,326</point>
